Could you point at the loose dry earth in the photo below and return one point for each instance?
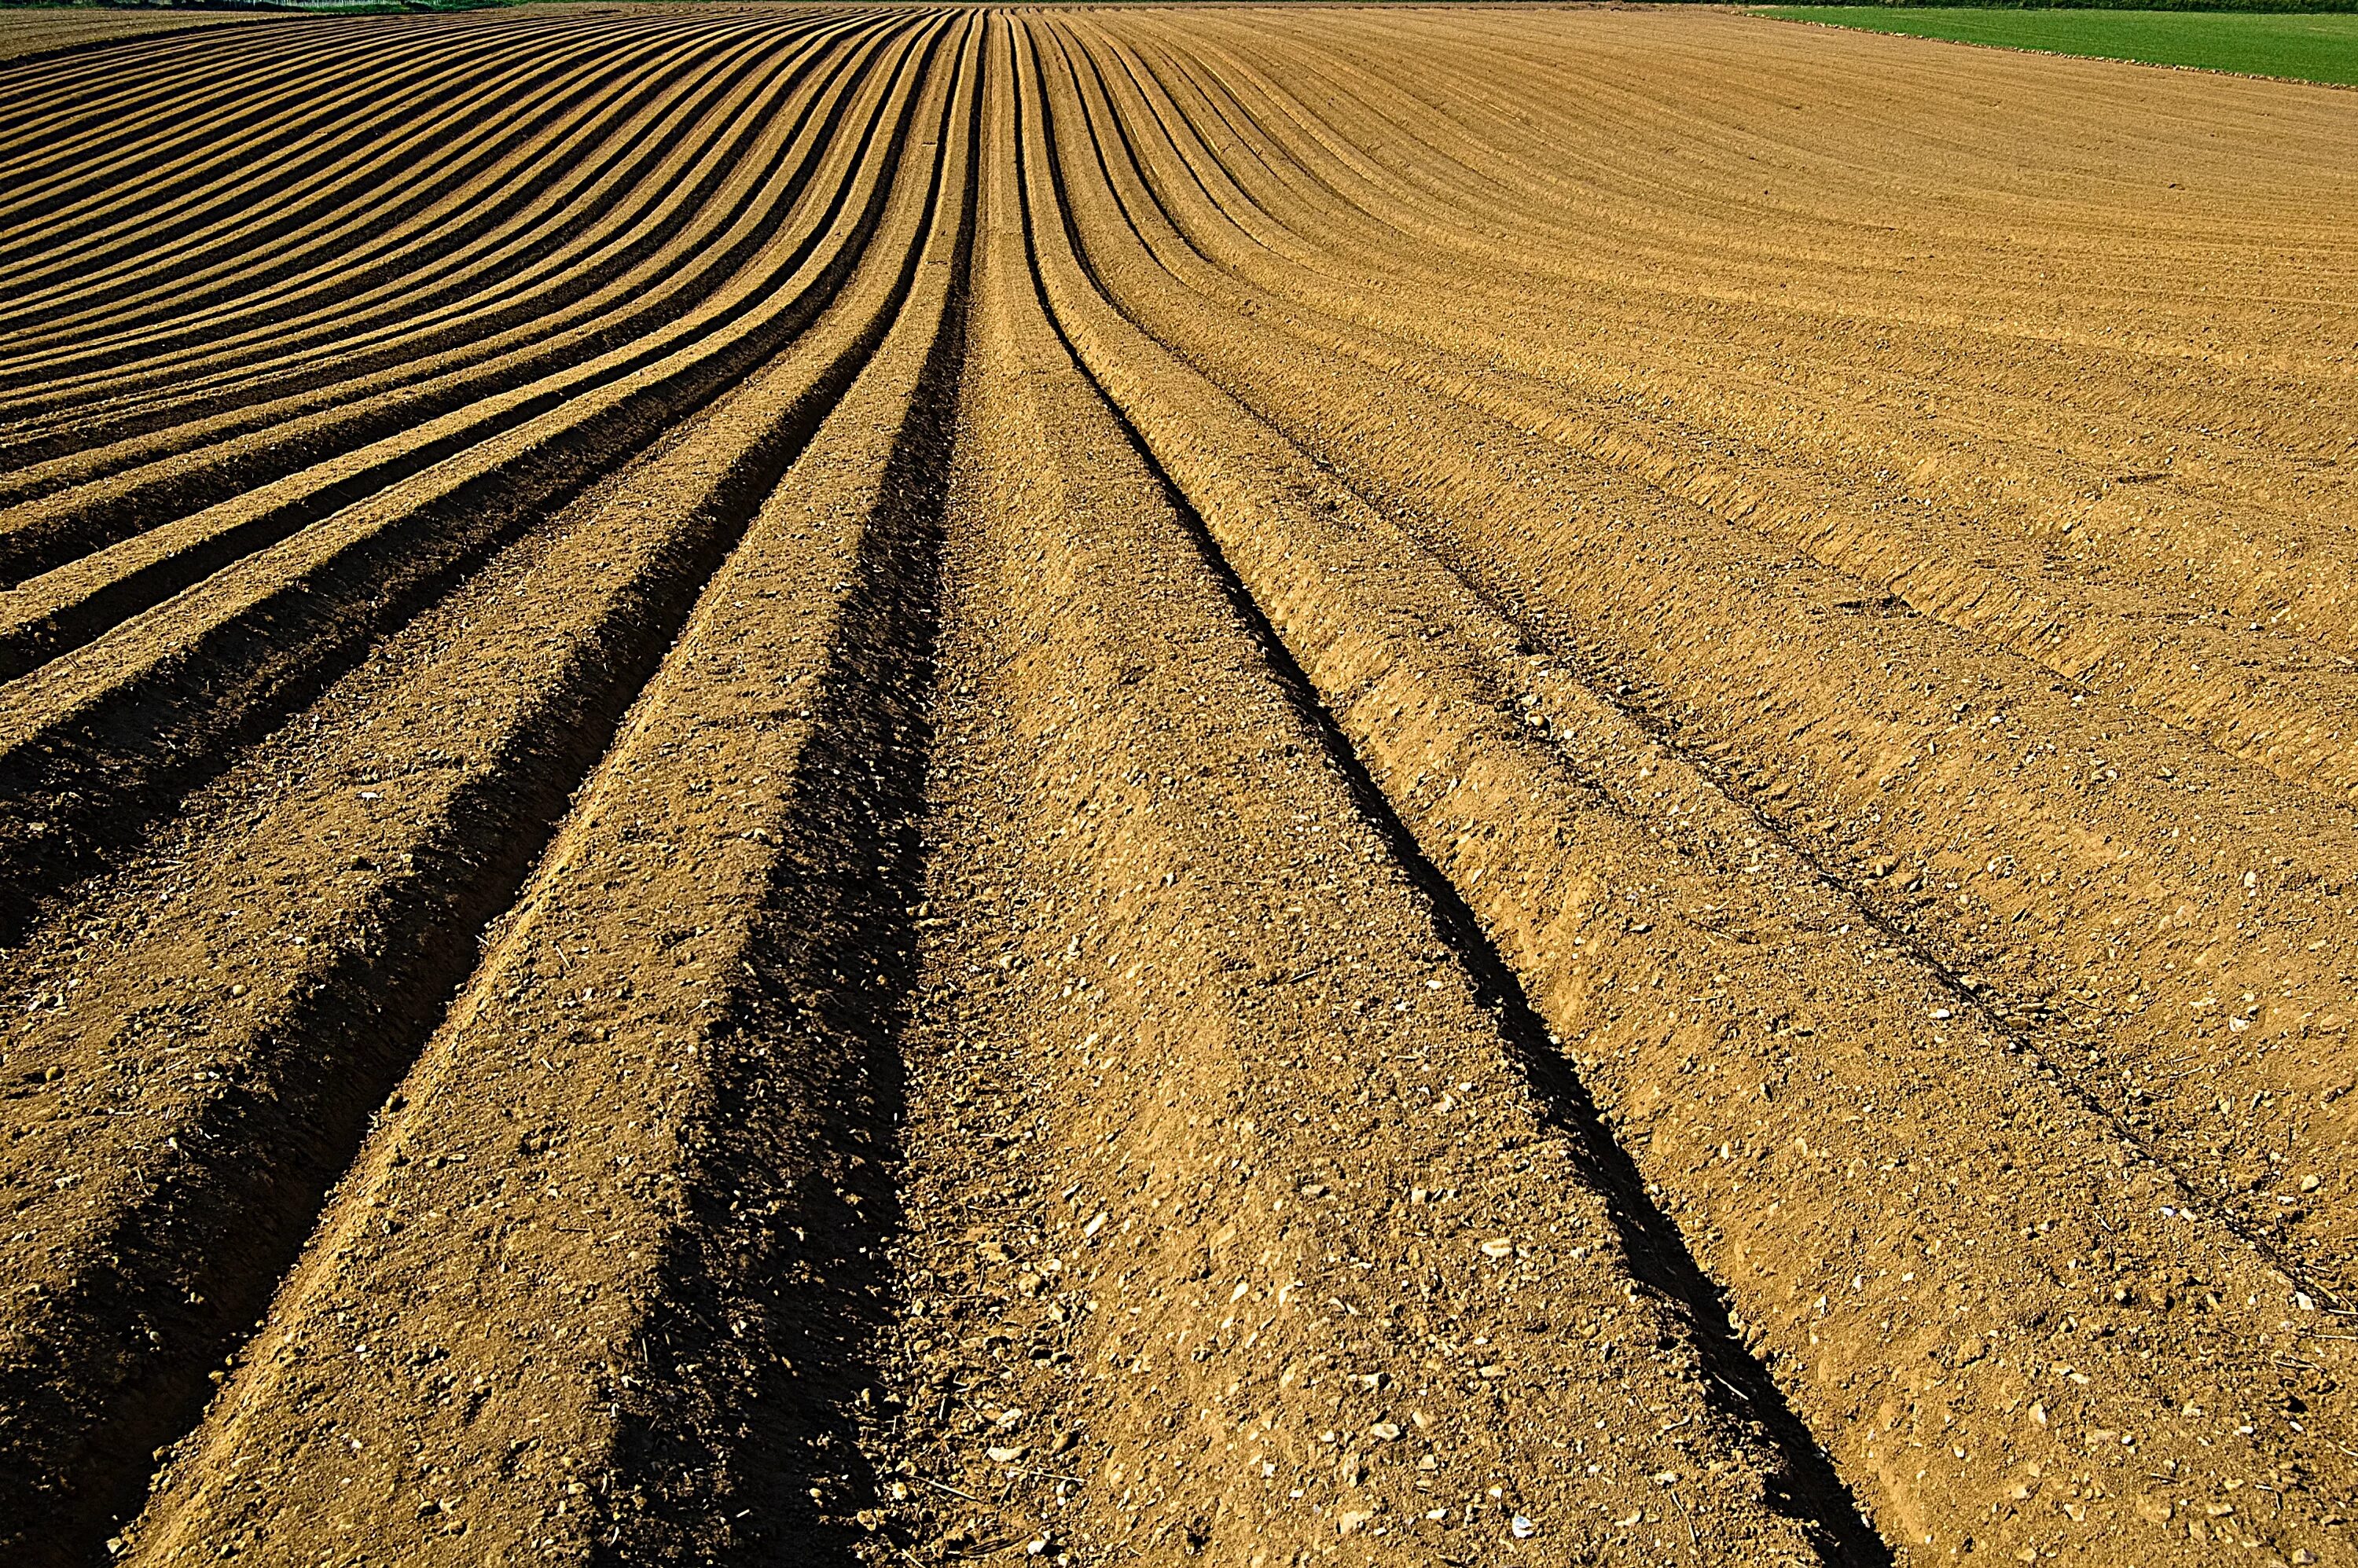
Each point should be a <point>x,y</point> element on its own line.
<point>1312,786</point>
<point>24,33</point>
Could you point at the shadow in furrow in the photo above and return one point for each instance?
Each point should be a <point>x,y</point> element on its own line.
<point>622,85</point>
<point>285,173</point>
<point>219,481</point>
<point>1997,1009</point>
<point>191,1268</point>
<point>50,57</point>
<point>1808,1490</point>
<point>26,551</point>
<point>743,1449</point>
<point>93,786</point>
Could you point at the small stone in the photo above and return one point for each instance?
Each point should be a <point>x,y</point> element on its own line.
<point>1522,1528</point>
<point>1497,1246</point>
<point>1384,1429</point>
<point>2310,1184</point>
<point>1352,1520</point>
<point>1007,1456</point>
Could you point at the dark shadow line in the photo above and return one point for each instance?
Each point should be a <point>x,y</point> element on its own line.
<point>746,1447</point>
<point>198,1269</point>
<point>111,775</point>
<point>1809,1491</point>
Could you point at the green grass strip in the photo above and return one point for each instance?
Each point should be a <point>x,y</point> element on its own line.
<point>2305,46</point>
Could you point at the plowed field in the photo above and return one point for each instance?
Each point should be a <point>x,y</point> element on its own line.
<point>1393,786</point>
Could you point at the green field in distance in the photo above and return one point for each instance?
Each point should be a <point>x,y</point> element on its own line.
<point>2310,47</point>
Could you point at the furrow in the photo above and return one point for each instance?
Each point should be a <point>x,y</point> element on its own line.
<point>641,103</point>
<point>129,465</point>
<point>1275,785</point>
<point>1913,1261</point>
<point>67,125</point>
<point>467,259</point>
<point>271,480</point>
<point>84,125</point>
<point>92,741</point>
<point>50,39</point>
<point>301,143</point>
<point>2279,697</point>
<point>398,160</point>
<point>673,976</point>
<point>1815,701</point>
<point>1159,924</point>
<point>261,1022</point>
<point>298,111</point>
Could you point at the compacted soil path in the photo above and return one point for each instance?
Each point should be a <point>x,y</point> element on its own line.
<point>1297,786</point>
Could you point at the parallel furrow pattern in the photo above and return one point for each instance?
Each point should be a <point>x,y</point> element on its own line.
<point>788,786</point>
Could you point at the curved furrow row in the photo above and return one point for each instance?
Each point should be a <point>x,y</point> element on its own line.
<point>317,459</point>
<point>1794,1079</point>
<point>796,670</point>
<point>61,120</point>
<point>683,231</point>
<point>1667,316</point>
<point>50,37</point>
<point>631,102</point>
<point>1798,732</point>
<point>421,785</point>
<point>1838,590</point>
<point>258,231</point>
<point>2075,627</point>
<point>1414,785</point>
<point>81,225</point>
<point>224,88</point>
<point>1525,344</point>
<point>1199,919</point>
<point>152,704</point>
<point>534,252</point>
<point>563,202</point>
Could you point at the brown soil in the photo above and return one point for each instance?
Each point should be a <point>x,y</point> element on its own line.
<point>27,34</point>
<point>1298,785</point>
